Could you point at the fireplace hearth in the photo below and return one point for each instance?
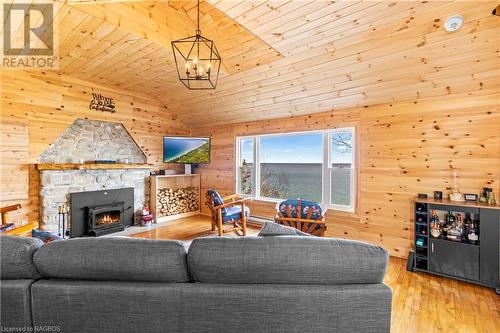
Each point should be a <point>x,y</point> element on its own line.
<point>98,213</point>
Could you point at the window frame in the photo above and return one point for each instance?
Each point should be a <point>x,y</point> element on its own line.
<point>353,169</point>
<point>326,166</point>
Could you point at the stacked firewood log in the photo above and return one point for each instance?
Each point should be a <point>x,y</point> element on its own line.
<point>178,201</point>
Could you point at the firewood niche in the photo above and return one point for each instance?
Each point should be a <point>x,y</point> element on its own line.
<point>175,196</point>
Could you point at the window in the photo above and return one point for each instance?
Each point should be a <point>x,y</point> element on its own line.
<point>341,168</point>
<point>317,166</point>
<point>246,174</point>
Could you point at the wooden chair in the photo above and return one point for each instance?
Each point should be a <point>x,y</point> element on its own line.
<point>5,210</point>
<point>304,215</point>
<point>228,210</point>
<point>24,230</point>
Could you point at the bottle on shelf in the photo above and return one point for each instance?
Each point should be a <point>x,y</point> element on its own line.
<point>459,221</point>
<point>473,232</point>
<point>448,223</point>
<point>467,226</point>
<point>454,231</point>
<point>435,225</point>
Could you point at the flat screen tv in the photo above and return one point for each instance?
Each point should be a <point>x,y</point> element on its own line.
<point>187,150</point>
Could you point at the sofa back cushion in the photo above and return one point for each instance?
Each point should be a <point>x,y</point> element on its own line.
<point>16,257</point>
<point>113,258</point>
<point>286,259</point>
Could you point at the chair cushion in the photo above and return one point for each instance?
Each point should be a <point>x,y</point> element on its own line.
<point>234,214</point>
<point>16,257</point>
<point>113,258</point>
<point>286,259</point>
<point>275,229</point>
<point>292,205</point>
<point>217,199</point>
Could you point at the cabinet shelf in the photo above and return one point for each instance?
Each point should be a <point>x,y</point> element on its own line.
<point>456,242</point>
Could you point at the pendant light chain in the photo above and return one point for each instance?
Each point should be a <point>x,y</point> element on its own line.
<point>199,32</point>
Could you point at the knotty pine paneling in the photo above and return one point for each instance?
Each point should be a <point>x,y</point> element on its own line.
<point>38,106</point>
<point>403,149</point>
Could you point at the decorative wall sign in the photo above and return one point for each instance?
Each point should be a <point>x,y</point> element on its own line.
<point>101,103</point>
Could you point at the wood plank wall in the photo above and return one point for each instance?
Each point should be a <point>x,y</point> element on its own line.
<point>404,149</point>
<point>37,106</point>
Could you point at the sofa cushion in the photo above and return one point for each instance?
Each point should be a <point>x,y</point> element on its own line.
<point>15,304</point>
<point>113,258</point>
<point>275,229</point>
<point>16,257</point>
<point>286,259</point>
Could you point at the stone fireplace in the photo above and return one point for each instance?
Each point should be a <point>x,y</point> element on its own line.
<point>77,163</point>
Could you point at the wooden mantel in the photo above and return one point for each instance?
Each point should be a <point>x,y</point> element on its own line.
<point>92,166</point>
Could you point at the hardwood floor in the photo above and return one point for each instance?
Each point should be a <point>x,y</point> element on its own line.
<point>422,303</point>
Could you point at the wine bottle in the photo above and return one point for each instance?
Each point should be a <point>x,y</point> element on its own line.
<point>435,225</point>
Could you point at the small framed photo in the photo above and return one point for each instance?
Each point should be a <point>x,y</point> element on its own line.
<point>471,197</point>
<point>438,195</point>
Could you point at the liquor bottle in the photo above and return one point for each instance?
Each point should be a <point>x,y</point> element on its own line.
<point>458,220</point>
<point>454,232</point>
<point>467,225</point>
<point>473,232</point>
<point>448,222</point>
<point>451,218</point>
<point>459,224</point>
<point>435,225</point>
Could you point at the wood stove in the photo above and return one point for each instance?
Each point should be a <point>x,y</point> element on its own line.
<point>105,219</point>
<point>97,213</point>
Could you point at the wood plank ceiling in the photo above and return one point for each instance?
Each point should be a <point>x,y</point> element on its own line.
<point>284,58</point>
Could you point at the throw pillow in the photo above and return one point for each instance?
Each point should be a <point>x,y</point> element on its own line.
<point>45,236</point>
<point>275,229</point>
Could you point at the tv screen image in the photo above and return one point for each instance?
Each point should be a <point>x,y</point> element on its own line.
<point>187,150</point>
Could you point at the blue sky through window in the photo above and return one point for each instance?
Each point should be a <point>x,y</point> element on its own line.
<point>297,148</point>
<point>247,150</point>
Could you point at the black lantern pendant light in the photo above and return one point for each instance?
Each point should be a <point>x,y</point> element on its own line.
<point>197,60</point>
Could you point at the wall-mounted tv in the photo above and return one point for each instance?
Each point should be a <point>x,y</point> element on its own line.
<point>188,150</point>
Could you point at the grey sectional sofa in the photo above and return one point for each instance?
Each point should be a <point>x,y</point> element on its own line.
<point>260,284</point>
